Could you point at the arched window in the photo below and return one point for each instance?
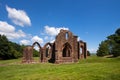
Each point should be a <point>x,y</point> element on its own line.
<point>66,50</point>
<point>48,48</point>
<point>81,50</point>
<point>66,36</point>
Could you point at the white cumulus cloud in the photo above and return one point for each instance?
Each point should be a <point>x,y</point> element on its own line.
<point>18,17</point>
<point>5,27</point>
<point>25,42</point>
<point>9,31</point>
<point>37,39</point>
<point>53,31</point>
<point>15,35</point>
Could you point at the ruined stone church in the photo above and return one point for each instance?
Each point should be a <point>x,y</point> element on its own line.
<point>66,48</point>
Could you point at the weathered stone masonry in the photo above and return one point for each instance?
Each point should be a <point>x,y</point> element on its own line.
<point>65,48</point>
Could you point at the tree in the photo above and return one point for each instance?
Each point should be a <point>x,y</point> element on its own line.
<point>5,52</point>
<point>116,50</point>
<point>112,43</point>
<point>117,32</point>
<point>8,49</point>
<point>17,47</point>
<point>88,53</point>
<point>35,53</point>
<point>103,49</point>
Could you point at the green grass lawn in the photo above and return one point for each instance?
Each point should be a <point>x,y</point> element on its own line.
<point>92,68</point>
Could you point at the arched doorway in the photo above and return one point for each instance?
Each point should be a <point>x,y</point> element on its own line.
<point>48,51</point>
<point>66,51</point>
<point>49,54</point>
<point>37,52</point>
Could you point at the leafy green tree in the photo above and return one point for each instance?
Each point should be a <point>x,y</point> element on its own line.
<point>116,50</point>
<point>117,32</point>
<point>88,53</point>
<point>8,49</point>
<point>17,47</point>
<point>4,48</point>
<point>35,53</point>
<point>5,52</point>
<point>103,49</point>
<point>112,43</point>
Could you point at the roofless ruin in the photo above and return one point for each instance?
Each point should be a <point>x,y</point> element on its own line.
<point>65,48</point>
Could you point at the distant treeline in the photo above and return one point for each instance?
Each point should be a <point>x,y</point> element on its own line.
<point>8,49</point>
<point>11,50</point>
<point>110,46</point>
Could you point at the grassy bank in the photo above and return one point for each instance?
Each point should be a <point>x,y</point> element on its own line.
<point>93,68</point>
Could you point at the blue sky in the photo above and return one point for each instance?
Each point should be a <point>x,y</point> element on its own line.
<point>24,21</point>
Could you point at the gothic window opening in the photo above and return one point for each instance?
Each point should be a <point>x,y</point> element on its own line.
<point>66,51</point>
<point>66,36</point>
<point>48,51</point>
<point>81,50</point>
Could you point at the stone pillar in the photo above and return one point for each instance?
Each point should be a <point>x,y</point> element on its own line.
<point>85,50</point>
<point>75,51</point>
<point>44,55</point>
<point>27,55</point>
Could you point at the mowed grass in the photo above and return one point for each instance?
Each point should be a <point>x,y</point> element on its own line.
<point>92,68</point>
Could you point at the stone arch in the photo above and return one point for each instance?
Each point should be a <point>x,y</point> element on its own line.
<point>48,50</point>
<point>47,44</point>
<point>66,50</point>
<point>40,50</point>
<point>37,44</point>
